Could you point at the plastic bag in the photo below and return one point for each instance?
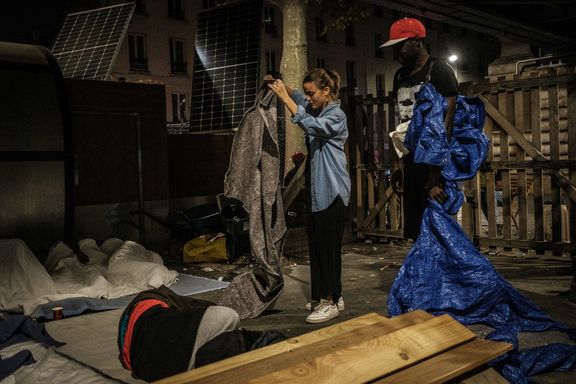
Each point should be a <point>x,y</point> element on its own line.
<point>205,248</point>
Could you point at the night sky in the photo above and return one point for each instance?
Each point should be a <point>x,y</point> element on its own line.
<point>36,21</point>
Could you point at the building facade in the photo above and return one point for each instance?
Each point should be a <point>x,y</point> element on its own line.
<point>159,48</point>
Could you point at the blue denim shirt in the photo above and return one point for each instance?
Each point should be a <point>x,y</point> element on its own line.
<point>326,133</point>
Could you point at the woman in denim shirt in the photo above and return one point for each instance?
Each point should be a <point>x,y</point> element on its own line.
<point>317,111</point>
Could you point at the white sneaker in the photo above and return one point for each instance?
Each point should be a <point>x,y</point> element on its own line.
<point>313,304</point>
<point>323,312</point>
<point>340,304</point>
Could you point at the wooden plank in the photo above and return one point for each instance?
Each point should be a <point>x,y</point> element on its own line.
<point>525,83</point>
<point>395,204</point>
<point>533,164</point>
<point>382,232</point>
<point>522,115</point>
<point>348,106</point>
<point>382,99</point>
<point>505,124</point>
<point>501,120</point>
<point>215,370</point>
<point>506,106</point>
<point>369,116</point>
<point>467,207</point>
<point>487,376</point>
<point>538,246</point>
<point>571,116</point>
<point>382,219</point>
<point>371,195</point>
<point>476,211</point>
<point>450,364</point>
<point>382,158</point>
<point>378,208</point>
<point>360,175</point>
<point>537,185</point>
<point>364,354</point>
<point>380,129</point>
<point>391,126</point>
<point>395,201</point>
<point>489,182</point>
<point>471,213</point>
<point>553,123</point>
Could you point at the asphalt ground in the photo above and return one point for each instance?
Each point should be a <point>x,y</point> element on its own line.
<point>369,269</point>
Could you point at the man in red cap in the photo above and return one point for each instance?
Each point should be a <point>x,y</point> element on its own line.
<point>421,181</point>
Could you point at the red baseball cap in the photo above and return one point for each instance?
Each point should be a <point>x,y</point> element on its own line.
<point>403,29</point>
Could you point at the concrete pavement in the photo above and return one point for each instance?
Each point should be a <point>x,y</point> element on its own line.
<point>369,270</point>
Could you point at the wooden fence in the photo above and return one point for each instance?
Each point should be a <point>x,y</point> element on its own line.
<point>524,195</point>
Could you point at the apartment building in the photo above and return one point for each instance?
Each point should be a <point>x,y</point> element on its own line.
<point>160,48</point>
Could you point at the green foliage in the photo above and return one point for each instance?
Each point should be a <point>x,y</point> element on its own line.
<point>341,13</point>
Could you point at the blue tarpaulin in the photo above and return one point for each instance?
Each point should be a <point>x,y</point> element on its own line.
<point>16,329</point>
<point>444,273</point>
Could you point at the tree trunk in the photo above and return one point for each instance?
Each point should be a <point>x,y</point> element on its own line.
<point>293,66</point>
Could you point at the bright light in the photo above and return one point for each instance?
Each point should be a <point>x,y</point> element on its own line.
<point>452,58</point>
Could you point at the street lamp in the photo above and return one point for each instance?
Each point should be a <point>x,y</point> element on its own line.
<point>453,59</point>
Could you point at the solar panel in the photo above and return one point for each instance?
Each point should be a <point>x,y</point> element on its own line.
<point>89,41</point>
<point>226,65</point>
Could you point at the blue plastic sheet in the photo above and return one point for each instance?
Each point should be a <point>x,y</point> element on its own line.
<point>444,273</point>
<point>15,329</point>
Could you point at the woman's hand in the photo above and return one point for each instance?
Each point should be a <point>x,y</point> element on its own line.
<point>277,86</point>
<point>282,92</point>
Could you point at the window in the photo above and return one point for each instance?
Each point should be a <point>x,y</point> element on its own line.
<point>175,9</point>
<point>380,85</point>
<point>350,74</point>
<point>378,52</point>
<point>270,20</point>
<point>137,52</point>
<point>320,63</point>
<point>178,107</point>
<point>271,62</point>
<point>349,34</point>
<point>320,29</point>
<point>177,57</point>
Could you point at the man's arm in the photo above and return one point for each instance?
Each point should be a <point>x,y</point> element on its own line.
<point>444,80</point>
<point>434,184</point>
<point>449,118</point>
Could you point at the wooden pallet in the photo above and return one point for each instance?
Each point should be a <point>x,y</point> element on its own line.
<point>412,348</point>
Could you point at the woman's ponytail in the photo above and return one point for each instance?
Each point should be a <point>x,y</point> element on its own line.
<point>324,78</point>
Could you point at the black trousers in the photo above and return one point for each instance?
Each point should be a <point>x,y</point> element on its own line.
<point>415,196</point>
<point>325,230</point>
